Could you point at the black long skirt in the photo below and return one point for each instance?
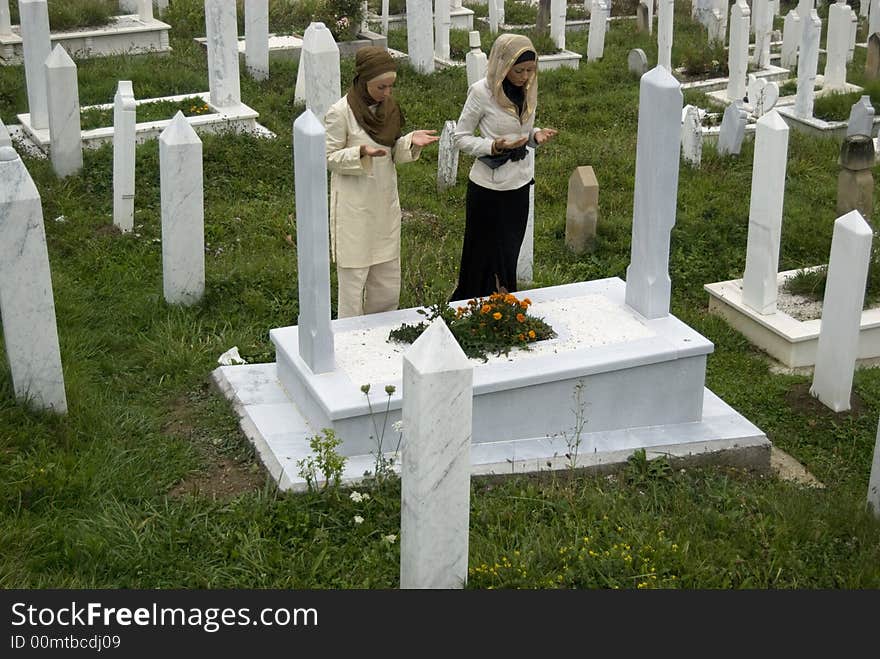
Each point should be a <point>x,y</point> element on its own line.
<point>494,228</point>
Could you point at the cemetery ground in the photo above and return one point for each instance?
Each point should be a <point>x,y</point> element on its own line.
<point>148,482</point>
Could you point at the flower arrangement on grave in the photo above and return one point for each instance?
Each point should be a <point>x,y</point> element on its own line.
<point>492,324</point>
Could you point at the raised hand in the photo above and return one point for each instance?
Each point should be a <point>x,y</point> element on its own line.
<point>545,135</point>
<point>501,144</point>
<point>372,152</point>
<point>424,137</point>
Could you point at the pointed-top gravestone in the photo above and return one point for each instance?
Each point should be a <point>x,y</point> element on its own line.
<point>808,60</point>
<point>874,479</point>
<point>315,335</point>
<point>637,62</point>
<point>435,471</point>
<point>5,140</point>
<point>319,60</point>
<point>27,306</point>
<point>838,346</point>
<point>124,129</point>
<point>759,287</point>
<point>221,31</point>
<point>733,129</point>
<point>63,107</point>
<point>861,118</point>
<point>183,212</point>
<point>656,192</point>
<point>36,47</point>
<point>256,38</point>
<point>791,38</point>
<point>419,37</point>
<point>738,52</point>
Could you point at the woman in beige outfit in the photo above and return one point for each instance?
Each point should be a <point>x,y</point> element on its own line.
<point>364,144</point>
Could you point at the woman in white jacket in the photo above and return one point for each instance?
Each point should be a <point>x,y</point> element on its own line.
<point>502,107</point>
<point>364,144</point>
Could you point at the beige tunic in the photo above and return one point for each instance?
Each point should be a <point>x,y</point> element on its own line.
<point>364,206</point>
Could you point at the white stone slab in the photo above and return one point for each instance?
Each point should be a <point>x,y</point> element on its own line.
<point>5,139</point>
<point>442,25</point>
<point>738,52</point>
<point>256,35</point>
<point>27,305</point>
<point>598,27</point>
<point>557,22</point>
<point>691,136</point>
<point>808,60</point>
<point>733,129</point>
<point>419,35</point>
<point>221,30</point>
<point>124,122</point>
<point>664,33</point>
<point>791,36</point>
<point>63,106</point>
<point>319,63</point>
<point>36,47</point>
<point>837,46</point>
<point>762,25</point>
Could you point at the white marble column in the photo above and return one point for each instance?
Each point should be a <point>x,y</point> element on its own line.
<point>496,14</point>
<point>762,22</point>
<point>598,27</point>
<point>759,288</point>
<point>791,38</point>
<point>738,51</point>
<point>837,45</point>
<point>557,22</point>
<point>183,213</point>
<point>145,10</point>
<point>64,121</point>
<point>808,60</point>
<point>312,243</point>
<point>419,35</point>
<point>853,29</point>
<point>322,80</point>
<point>525,262</point>
<point>385,17</point>
<point>447,158</point>
<point>221,31</point>
<point>874,17</point>
<point>36,47</point>
<point>476,61</point>
<point>124,127</point>
<point>838,346</point>
<point>256,38</point>
<point>874,479</point>
<point>5,21</point>
<point>656,193</point>
<point>664,33</point>
<point>435,474</point>
<point>27,305</point>
<point>442,25</point>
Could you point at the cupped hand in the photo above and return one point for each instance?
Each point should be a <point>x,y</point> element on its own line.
<point>372,152</point>
<point>545,135</point>
<point>503,145</point>
<point>424,137</point>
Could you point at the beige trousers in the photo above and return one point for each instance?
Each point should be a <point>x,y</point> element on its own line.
<point>368,290</point>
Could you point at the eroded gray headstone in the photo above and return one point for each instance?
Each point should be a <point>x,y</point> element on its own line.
<point>861,118</point>
<point>637,62</point>
<point>691,136</point>
<point>733,129</point>
<point>872,60</point>
<point>581,209</point>
<point>855,182</point>
<point>447,158</point>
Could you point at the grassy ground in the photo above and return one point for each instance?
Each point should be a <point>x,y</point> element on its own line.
<point>147,482</point>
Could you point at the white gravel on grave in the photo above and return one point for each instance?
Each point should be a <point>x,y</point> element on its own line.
<point>586,321</point>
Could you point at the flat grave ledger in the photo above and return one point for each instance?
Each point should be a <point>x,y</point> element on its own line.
<point>290,45</point>
<point>642,387</point>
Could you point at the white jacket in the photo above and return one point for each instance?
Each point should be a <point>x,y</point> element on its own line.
<point>364,206</point>
<point>482,112</point>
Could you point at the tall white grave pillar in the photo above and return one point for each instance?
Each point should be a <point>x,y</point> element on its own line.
<point>63,105</point>
<point>759,288</point>
<point>791,38</point>
<point>762,21</point>
<point>808,60</point>
<point>319,61</point>
<point>312,243</point>
<point>557,22</point>
<point>738,52</point>
<point>598,27</point>
<point>837,45</point>
<point>145,10</point>
<point>496,14</point>
<point>27,306</point>
<point>476,61</point>
<point>124,122</point>
<point>874,479</point>
<point>525,261</point>
<point>419,37</point>
<point>664,33</point>
<point>36,48</point>
<point>838,346</point>
<point>656,192</point>
<point>447,157</point>
<point>435,470</point>
<point>385,17</point>
<point>874,17</point>
<point>853,29</point>
<point>256,38</point>
<point>5,21</point>
<point>183,212</point>
<point>221,30</point>
<point>442,25</point>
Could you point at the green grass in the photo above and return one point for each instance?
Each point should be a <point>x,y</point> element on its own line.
<point>93,499</point>
<point>68,15</point>
<point>97,117</point>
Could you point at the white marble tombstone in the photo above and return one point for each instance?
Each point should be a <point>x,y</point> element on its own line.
<point>656,193</point>
<point>874,17</point>
<point>837,46</point>
<point>183,212</point>
<point>733,129</point>
<point>691,136</point>
<point>145,10</point>
<point>435,469</point>
<point>762,95</point>
<point>36,48</point>
<point>838,345</point>
<point>525,261</point>
<point>723,7</point>
<point>636,61</point>
<point>124,122</point>
<point>665,11</point>
<point>27,307</point>
<point>717,28</point>
<point>872,59</point>
<point>62,95</point>
<point>442,25</point>
<point>861,118</point>
<point>256,38</point>
<point>496,15</point>
<point>385,12</point>
<point>808,60</point>
<point>5,139</point>
<point>419,35</point>
<point>447,157</point>
<point>738,52</point>
<point>322,80</point>
<point>762,24</point>
<point>853,29</point>
<point>557,22</point>
<point>221,31</point>
<point>874,479</point>
<point>5,21</point>
<point>476,61</point>
<point>760,288</point>
<point>315,333</point>
<point>598,27</point>
<point>791,38</point>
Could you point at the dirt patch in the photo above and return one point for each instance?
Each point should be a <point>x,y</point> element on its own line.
<point>801,400</point>
<point>787,468</point>
<point>108,230</point>
<point>222,478</point>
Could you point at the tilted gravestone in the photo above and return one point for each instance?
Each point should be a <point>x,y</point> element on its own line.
<point>733,129</point>
<point>855,182</point>
<point>581,209</point>
<point>861,118</point>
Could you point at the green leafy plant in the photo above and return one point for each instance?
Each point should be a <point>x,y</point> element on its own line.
<point>640,471</point>
<point>326,461</point>
<point>493,324</point>
<point>384,466</point>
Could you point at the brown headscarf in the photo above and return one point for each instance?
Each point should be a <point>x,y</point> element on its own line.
<point>506,50</point>
<point>385,124</point>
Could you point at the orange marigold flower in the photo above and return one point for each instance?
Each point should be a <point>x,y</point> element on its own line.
<point>527,301</point>
<point>531,334</point>
<point>520,318</point>
<point>521,337</point>
<point>486,308</point>
<point>510,299</point>
<point>497,315</point>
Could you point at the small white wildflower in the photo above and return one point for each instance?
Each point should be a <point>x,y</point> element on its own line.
<point>357,497</point>
<point>365,496</point>
<point>390,538</point>
<point>397,426</point>
<point>358,519</point>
